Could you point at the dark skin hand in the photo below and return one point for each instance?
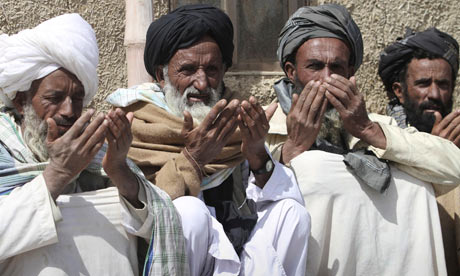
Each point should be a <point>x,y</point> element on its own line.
<point>449,127</point>
<point>206,141</point>
<point>119,138</point>
<point>253,123</point>
<point>73,151</point>
<point>304,120</point>
<point>343,94</point>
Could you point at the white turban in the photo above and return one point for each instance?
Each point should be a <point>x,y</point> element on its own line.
<point>66,41</point>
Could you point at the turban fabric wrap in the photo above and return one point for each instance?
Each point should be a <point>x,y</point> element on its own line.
<point>182,28</point>
<point>66,41</point>
<point>331,21</point>
<point>395,57</point>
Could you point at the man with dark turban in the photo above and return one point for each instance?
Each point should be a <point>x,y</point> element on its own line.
<point>419,73</point>
<point>242,212</point>
<point>70,203</point>
<point>361,183</point>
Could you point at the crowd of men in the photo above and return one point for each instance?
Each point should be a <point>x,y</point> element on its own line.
<point>184,176</point>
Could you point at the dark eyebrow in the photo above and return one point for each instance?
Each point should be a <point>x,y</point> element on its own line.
<point>422,81</point>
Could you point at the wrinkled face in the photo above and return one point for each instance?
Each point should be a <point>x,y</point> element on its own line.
<point>429,86</point>
<point>200,66</point>
<point>317,59</point>
<point>59,96</point>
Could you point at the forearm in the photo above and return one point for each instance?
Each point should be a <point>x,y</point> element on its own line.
<point>126,182</point>
<point>374,136</point>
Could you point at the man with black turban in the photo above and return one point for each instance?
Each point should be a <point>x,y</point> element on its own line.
<point>362,183</point>
<point>419,73</point>
<point>187,141</point>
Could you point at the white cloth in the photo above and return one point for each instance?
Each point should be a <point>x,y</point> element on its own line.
<point>278,243</point>
<point>45,242</point>
<point>66,41</point>
<point>358,231</point>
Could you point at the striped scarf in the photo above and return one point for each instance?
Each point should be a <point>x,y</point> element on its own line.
<point>166,254</point>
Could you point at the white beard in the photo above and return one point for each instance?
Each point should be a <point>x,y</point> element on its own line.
<point>178,103</point>
<point>34,132</point>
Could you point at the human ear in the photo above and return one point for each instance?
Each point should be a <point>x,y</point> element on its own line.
<point>397,89</point>
<point>159,76</point>
<point>19,101</point>
<point>290,70</point>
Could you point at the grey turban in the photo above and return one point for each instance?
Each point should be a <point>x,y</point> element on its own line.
<point>394,58</point>
<point>321,21</point>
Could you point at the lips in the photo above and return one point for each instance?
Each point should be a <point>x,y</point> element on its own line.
<point>198,98</point>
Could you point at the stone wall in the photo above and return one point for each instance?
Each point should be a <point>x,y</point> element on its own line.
<point>381,22</point>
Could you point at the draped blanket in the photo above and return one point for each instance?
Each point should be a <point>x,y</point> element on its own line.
<point>166,254</point>
<point>157,140</point>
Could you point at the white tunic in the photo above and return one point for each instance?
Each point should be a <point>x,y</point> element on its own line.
<point>358,231</point>
<point>88,226</point>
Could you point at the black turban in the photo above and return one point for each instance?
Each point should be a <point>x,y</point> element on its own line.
<point>395,57</point>
<point>329,20</point>
<point>183,27</point>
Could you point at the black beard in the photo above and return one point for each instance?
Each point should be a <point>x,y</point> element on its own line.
<point>420,120</point>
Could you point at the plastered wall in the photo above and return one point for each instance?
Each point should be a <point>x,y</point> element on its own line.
<point>107,18</point>
<point>381,22</point>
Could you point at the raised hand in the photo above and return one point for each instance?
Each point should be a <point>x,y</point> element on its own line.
<point>206,141</point>
<point>449,127</point>
<point>254,126</point>
<point>343,94</point>
<point>73,151</point>
<point>253,123</point>
<point>304,120</point>
<point>119,138</point>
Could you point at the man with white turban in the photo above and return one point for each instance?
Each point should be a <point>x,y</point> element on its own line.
<point>70,203</point>
<point>360,174</point>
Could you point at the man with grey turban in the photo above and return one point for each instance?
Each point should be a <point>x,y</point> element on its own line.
<point>419,73</point>
<point>364,184</point>
<point>71,203</point>
<point>242,213</point>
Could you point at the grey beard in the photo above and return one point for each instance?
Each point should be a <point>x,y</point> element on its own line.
<point>332,129</point>
<point>34,133</point>
<point>178,103</point>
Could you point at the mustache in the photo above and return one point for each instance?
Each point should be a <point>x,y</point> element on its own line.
<point>63,121</point>
<point>435,105</point>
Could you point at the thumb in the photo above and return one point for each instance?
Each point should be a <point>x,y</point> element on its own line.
<point>271,110</point>
<point>188,122</point>
<point>353,80</point>
<point>294,99</point>
<point>53,133</point>
<point>437,117</point>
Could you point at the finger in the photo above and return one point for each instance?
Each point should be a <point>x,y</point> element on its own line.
<point>339,94</point>
<point>317,103</point>
<point>245,133</point>
<point>248,121</point>
<point>437,118</point>
<point>341,84</point>
<point>447,120</point>
<point>271,110</point>
<point>213,114</point>
<point>80,125</point>
<point>261,120</point>
<point>455,133</point>
<point>225,117</point>
<point>320,115</point>
<point>53,133</point>
<point>336,103</point>
<point>97,136</point>
<point>227,130</point>
<point>307,91</point>
<point>188,122</point>
<point>114,129</point>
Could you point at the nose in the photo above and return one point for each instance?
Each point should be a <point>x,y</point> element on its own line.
<point>326,72</point>
<point>66,108</point>
<point>201,80</point>
<point>434,93</point>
